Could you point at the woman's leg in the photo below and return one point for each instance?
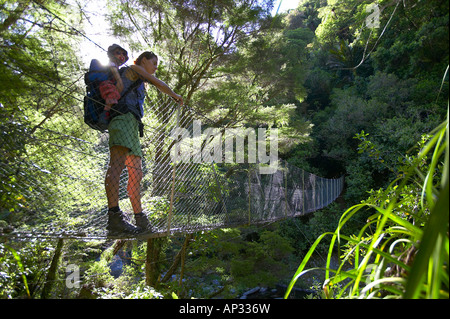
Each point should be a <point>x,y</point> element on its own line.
<point>118,156</point>
<point>134,166</point>
<point>117,221</point>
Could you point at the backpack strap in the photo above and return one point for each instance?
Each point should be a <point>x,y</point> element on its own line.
<point>120,108</point>
<point>131,88</point>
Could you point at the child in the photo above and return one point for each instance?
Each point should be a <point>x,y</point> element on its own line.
<point>111,88</point>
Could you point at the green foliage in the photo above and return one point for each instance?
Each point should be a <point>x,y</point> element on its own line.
<point>233,63</point>
<point>380,80</point>
<point>137,291</point>
<point>100,284</point>
<point>261,262</point>
<point>13,143</point>
<point>39,63</point>
<point>230,259</point>
<point>422,50</point>
<point>301,232</point>
<point>382,106</point>
<point>319,74</point>
<point>402,250</point>
<point>23,267</point>
<point>98,273</point>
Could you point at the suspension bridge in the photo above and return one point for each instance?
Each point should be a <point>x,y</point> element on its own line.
<point>57,176</point>
<point>61,179</point>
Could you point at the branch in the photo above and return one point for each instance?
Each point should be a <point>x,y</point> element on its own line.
<point>15,15</point>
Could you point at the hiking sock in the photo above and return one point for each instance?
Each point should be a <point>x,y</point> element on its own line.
<point>114,209</point>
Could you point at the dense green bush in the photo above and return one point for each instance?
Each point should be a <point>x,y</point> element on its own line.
<point>402,249</point>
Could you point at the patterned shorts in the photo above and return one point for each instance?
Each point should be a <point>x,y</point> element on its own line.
<point>124,131</point>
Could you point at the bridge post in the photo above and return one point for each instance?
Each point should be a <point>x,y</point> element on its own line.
<point>220,192</point>
<point>303,192</point>
<point>249,195</point>
<point>169,219</point>
<point>286,190</point>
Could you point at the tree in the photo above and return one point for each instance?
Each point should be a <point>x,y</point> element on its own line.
<point>229,59</point>
<point>40,74</point>
<point>192,36</point>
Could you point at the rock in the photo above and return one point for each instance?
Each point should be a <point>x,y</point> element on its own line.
<point>249,292</point>
<point>116,266</point>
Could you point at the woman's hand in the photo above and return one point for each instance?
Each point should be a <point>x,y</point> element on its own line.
<point>178,98</point>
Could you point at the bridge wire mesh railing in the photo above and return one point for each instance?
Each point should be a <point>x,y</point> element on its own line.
<point>52,168</point>
<point>62,194</point>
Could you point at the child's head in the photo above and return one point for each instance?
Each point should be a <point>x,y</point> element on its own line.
<point>117,54</point>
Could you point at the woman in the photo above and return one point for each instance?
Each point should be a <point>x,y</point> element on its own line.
<point>125,148</point>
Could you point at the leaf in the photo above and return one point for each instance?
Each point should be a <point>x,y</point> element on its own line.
<point>435,232</point>
<point>300,271</point>
<point>22,269</point>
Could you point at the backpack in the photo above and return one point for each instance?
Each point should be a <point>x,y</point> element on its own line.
<point>94,104</point>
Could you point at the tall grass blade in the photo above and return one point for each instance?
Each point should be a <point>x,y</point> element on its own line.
<point>299,271</point>
<point>406,253</point>
<point>22,269</point>
<point>436,226</point>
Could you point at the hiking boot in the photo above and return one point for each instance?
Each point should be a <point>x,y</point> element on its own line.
<point>118,225</point>
<point>142,222</point>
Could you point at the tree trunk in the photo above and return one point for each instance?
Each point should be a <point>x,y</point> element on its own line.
<point>51,275</point>
<point>152,262</point>
<point>177,259</point>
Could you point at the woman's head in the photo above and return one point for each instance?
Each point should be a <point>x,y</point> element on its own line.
<point>149,61</point>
